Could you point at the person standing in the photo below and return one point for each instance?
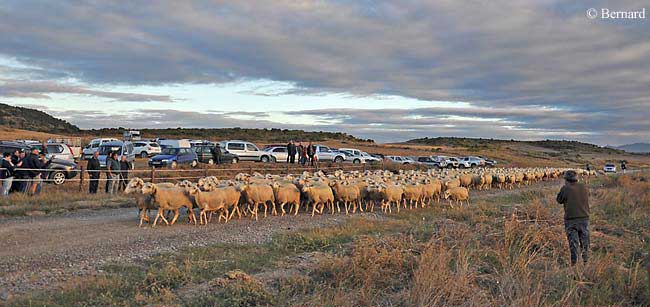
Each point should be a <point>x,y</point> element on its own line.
<point>216,154</point>
<point>575,198</point>
<point>623,166</point>
<point>311,152</point>
<point>125,166</point>
<point>93,169</point>
<point>300,150</point>
<point>6,173</point>
<point>112,173</point>
<point>45,163</point>
<point>34,166</point>
<point>291,152</point>
<point>16,159</point>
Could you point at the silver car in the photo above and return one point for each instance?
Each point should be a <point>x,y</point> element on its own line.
<point>245,151</point>
<point>59,151</point>
<point>275,154</point>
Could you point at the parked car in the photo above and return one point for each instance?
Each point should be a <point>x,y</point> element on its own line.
<point>245,151</point>
<point>204,154</point>
<point>610,168</point>
<point>73,143</point>
<point>397,159</point>
<point>489,162</point>
<point>165,143</point>
<point>59,151</point>
<point>275,154</point>
<point>470,162</point>
<point>428,162</point>
<point>358,156</point>
<point>267,146</point>
<point>122,148</point>
<point>324,153</point>
<point>173,157</point>
<point>93,146</point>
<point>58,171</point>
<point>144,149</point>
<point>445,162</point>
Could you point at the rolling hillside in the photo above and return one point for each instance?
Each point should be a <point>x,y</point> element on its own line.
<point>34,120</point>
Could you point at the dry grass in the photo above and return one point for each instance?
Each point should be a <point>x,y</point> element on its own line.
<point>507,250</point>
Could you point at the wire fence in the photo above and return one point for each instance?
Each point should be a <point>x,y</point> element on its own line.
<point>82,176</point>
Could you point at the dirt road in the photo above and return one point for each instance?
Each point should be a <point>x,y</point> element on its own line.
<point>40,252</point>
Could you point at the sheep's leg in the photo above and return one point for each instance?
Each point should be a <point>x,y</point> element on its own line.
<point>192,216</point>
<point>176,214</point>
<point>313,210</point>
<point>282,208</point>
<point>345,203</point>
<point>141,213</point>
<point>360,206</point>
<point>274,212</point>
<point>297,207</point>
<point>255,210</point>
<point>155,221</point>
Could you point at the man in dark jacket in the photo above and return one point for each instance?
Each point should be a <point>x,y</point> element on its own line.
<point>311,152</point>
<point>33,164</point>
<point>93,168</point>
<point>575,198</point>
<point>18,174</point>
<point>216,154</point>
<point>125,166</point>
<point>6,173</point>
<point>291,152</point>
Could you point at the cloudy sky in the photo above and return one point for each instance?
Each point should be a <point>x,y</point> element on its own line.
<point>387,70</point>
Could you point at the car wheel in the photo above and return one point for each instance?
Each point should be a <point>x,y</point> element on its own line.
<point>143,155</point>
<point>461,166</point>
<point>210,161</point>
<point>449,166</point>
<point>194,163</point>
<point>274,160</point>
<point>265,159</point>
<point>356,161</point>
<point>235,160</point>
<point>338,159</point>
<point>58,178</point>
<point>473,165</point>
<point>174,164</point>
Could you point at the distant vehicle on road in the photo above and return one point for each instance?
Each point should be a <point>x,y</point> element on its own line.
<point>324,153</point>
<point>398,159</point>
<point>358,156</point>
<point>489,162</point>
<point>610,168</point>
<point>428,162</point>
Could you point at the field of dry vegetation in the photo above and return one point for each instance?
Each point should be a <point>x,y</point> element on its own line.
<point>506,249</point>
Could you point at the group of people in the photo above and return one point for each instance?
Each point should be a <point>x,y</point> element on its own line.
<point>305,153</point>
<point>117,173</point>
<point>21,171</point>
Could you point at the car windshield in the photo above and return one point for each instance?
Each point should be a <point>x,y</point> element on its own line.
<point>170,151</point>
<point>609,165</point>
<point>105,150</point>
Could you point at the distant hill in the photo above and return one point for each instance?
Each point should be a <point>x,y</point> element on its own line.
<point>635,148</point>
<point>557,145</point>
<point>34,120</point>
<point>264,135</point>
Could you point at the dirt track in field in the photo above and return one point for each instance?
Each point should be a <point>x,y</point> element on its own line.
<point>41,252</point>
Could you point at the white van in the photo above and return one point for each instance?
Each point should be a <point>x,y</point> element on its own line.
<point>93,146</point>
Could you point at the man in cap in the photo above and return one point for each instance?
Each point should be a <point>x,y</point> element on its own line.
<point>575,198</point>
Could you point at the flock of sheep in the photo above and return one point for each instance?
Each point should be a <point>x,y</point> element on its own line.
<point>353,191</point>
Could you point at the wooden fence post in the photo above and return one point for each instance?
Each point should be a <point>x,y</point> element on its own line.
<point>81,179</point>
<point>153,174</point>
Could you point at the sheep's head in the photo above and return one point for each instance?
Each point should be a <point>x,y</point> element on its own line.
<point>134,185</point>
<point>149,188</point>
<point>194,190</point>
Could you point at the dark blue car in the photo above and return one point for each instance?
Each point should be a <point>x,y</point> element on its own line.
<point>172,157</point>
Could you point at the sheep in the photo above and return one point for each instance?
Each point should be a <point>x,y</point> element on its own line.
<point>209,201</point>
<point>346,194</point>
<point>465,180</point>
<point>413,193</point>
<point>487,181</point>
<point>459,194</point>
<point>287,193</point>
<point>390,193</point>
<point>478,181</point>
<point>319,194</point>
<point>256,194</point>
<point>168,199</point>
<point>144,203</point>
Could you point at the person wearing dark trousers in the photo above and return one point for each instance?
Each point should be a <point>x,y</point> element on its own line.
<point>216,154</point>
<point>6,173</point>
<point>45,163</point>
<point>16,159</point>
<point>311,152</point>
<point>291,152</point>
<point>575,198</point>
<point>623,166</point>
<point>125,166</point>
<point>301,151</point>
<point>33,167</point>
<point>93,168</point>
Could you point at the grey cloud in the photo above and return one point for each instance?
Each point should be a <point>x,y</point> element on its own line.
<point>41,89</point>
<point>495,54</point>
